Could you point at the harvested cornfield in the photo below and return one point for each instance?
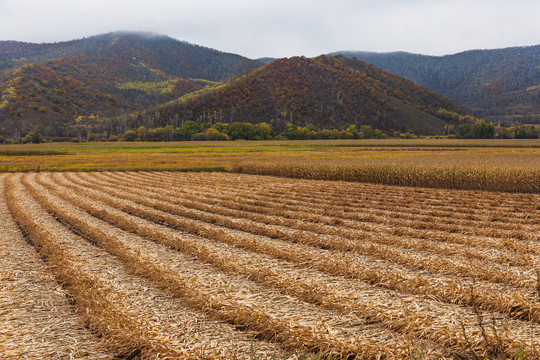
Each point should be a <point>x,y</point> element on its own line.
<point>162,265</point>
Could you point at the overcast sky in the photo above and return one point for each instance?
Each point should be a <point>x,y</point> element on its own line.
<point>283,28</point>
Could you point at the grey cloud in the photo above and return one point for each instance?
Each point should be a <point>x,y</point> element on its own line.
<point>286,27</point>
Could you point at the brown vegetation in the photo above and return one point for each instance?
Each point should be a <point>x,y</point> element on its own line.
<point>511,180</point>
<point>335,268</point>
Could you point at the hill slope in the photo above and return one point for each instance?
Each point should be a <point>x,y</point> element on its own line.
<point>328,92</point>
<point>502,84</point>
<point>104,75</point>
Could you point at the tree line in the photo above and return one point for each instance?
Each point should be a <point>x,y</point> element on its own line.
<point>193,131</point>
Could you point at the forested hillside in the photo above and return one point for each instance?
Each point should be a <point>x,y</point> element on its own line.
<point>328,92</point>
<point>102,76</point>
<point>500,85</point>
<point>113,83</point>
<point>158,51</point>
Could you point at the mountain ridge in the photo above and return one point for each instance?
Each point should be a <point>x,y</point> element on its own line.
<point>11,51</point>
<point>328,92</point>
<point>496,84</point>
<point>117,75</point>
<point>104,75</point>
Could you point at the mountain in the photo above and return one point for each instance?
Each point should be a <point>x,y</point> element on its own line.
<point>500,85</point>
<point>120,80</point>
<point>158,51</point>
<point>49,85</point>
<point>328,92</point>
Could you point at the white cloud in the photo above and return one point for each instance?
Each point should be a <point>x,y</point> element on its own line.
<point>286,27</point>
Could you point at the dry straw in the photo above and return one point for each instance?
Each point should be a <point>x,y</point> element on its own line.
<point>516,303</point>
<point>498,301</point>
<point>314,291</point>
<point>36,319</point>
<point>510,180</point>
<point>191,289</point>
<point>341,269</point>
<point>362,242</point>
<point>105,305</point>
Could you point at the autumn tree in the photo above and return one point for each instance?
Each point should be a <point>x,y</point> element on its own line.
<point>86,124</point>
<point>130,135</point>
<point>141,133</point>
<point>33,137</point>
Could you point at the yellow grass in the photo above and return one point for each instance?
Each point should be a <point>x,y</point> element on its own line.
<point>224,155</point>
<point>502,165</point>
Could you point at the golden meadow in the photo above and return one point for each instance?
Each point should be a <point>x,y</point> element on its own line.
<point>502,165</point>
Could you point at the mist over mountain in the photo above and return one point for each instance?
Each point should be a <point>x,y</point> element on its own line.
<point>499,85</point>
<point>169,55</point>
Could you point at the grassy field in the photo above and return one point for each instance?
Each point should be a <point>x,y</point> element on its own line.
<point>447,162</point>
<point>190,155</point>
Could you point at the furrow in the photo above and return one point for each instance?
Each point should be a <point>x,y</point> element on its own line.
<point>426,318</point>
<point>492,223</point>
<point>133,316</point>
<point>295,324</point>
<point>396,206</point>
<point>341,239</point>
<point>37,320</point>
<point>465,201</point>
<point>515,303</point>
<point>305,220</point>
